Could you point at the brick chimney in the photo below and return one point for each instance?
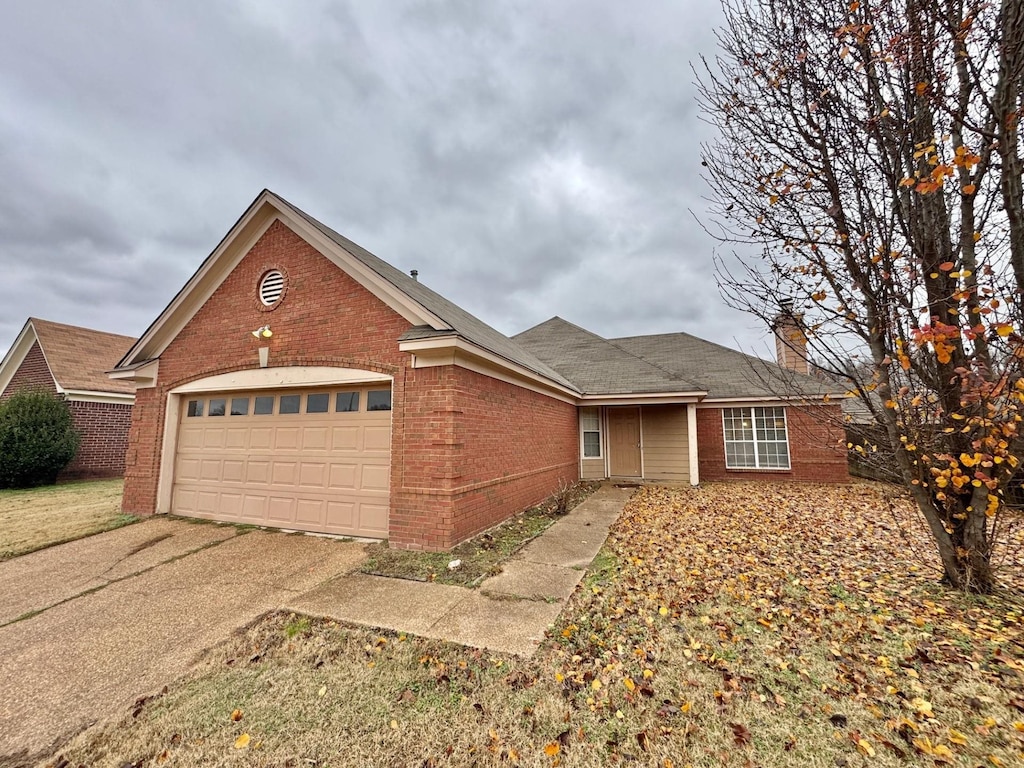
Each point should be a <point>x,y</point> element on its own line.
<point>790,339</point>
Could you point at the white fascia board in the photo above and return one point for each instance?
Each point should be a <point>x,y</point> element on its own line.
<point>452,349</point>
<point>652,398</point>
<point>282,378</point>
<point>739,402</point>
<point>89,396</point>
<point>18,352</point>
<point>144,375</point>
<point>234,247</point>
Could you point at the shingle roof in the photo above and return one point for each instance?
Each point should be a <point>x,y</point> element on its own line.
<point>597,366</point>
<point>464,324</point>
<point>80,357</point>
<point>723,372</point>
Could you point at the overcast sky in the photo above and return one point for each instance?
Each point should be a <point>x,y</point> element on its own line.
<point>528,158</point>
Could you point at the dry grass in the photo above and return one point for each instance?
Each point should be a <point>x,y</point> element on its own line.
<point>741,625</point>
<point>41,517</point>
<point>482,555</point>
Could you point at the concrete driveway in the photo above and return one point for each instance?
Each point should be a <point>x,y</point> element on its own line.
<point>89,626</point>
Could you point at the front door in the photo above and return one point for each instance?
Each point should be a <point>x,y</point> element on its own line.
<point>624,442</point>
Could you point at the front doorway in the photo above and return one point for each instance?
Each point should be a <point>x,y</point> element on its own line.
<point>624,442</point>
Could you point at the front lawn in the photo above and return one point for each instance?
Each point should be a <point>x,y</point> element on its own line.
<point>40,517</point>
<point>735,625</point>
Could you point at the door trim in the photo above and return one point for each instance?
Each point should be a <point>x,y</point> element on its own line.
<point>640,439</point>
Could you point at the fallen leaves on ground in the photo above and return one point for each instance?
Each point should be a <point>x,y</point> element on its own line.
<point>735,624</point>
<point>815,607</point>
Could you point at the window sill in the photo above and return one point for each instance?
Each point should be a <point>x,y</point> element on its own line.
<point>758,469</point>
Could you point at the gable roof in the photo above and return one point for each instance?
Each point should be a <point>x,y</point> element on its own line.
<point>595,365</point>
<point>78,358</point>
<point>723,372</point>
<point>670,362</point>
<point>430,314</point>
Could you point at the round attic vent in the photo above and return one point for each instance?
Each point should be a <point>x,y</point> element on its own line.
<point>271,287</point>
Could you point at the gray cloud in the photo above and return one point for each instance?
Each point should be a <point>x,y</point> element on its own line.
<point>530,159</point>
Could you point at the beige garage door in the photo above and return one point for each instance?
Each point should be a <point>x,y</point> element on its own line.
<point>312,460</point>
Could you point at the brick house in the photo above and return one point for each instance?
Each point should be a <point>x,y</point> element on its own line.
<point>72,362</point>
<point>299,381</point>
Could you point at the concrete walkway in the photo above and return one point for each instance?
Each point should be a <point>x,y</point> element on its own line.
<point>510,612</point>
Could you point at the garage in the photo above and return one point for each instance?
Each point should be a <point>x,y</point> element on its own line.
<point>310,460</point>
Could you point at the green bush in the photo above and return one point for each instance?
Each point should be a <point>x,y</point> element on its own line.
<point>37,439</point>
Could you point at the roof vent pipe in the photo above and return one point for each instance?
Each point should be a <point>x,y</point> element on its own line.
<point>415,274</point>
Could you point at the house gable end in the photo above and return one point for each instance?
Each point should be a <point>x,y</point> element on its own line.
<point>266,211</point>
<point>25,364</point>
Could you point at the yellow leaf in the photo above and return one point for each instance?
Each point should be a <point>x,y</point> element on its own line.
<point>630,685</point>
<point>242,741</point>
<point>865,748</point>
<point>552,749</point>
<point>322,692</point>
<point>957,738</point>
<point>1004,329</point>
<point>995,761</point>
<point>596,685</point>
<point>236,715</point>
<point>663,611</point>
<point>686,706</point>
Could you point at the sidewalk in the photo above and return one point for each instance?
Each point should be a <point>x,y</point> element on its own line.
<point>509,612</point>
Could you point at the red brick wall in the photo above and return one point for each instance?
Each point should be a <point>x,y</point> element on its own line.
<point>104,430</point>
<point>477,450</point>
<point>817,451</point>
<point>440,442</point>
<point>32,373</point>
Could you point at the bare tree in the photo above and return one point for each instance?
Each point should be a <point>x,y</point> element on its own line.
<point>870,150</point>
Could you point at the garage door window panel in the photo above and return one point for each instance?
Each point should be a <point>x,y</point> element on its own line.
<point>264,406</point>
<point>318,403</point>
<point>218,406</point>
<point>195,407</point>
<point>346,402</point>
<point>240,406</point>
<point>378,400</point>
<point>289,404</point>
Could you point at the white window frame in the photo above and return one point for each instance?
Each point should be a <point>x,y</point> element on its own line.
<point>751,413</point>
<point>600,433</point>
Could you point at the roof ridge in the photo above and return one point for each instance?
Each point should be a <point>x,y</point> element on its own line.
<point>674,375</point>
<point>79,327</point>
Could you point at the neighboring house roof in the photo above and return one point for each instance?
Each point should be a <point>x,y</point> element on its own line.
<point>595,365</point>
<point>78,358</point>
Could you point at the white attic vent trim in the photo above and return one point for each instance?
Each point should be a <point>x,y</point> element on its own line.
<point>271,287</point>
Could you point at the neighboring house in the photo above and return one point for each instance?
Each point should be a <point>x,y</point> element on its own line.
<point>72,362</point>
<point>298,381</point>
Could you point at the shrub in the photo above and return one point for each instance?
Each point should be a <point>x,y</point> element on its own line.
<point>37,439</point>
